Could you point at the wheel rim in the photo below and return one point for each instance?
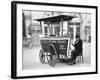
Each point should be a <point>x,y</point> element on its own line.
<point>51,62</point>
<point>42,56</point>
<point>51,55</point>
<point>51,59</point>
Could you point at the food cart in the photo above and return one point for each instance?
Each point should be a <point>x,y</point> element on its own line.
<point>55,45</point>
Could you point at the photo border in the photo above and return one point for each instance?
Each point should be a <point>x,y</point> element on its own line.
<point>14,38</point>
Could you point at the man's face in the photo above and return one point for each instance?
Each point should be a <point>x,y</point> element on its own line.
<point>77,39</point>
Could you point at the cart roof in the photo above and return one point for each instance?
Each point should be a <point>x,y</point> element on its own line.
<point>57,18</point>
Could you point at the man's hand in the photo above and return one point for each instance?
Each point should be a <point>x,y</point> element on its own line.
<point>72,47</point>
<point>74,50</point>
<point>72,44</point>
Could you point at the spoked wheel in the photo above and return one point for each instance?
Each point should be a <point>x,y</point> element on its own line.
<point>52,61</point>
<point>52,56</point>
<point>42,56</point>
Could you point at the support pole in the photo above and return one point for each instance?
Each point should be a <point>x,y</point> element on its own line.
<point>49,31</point>
<point>42,23</point>
<point>41,27</point>
<point>61,24</point>
<point>74,32</point>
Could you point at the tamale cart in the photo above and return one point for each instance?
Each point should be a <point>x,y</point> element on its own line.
<point>55,44</point>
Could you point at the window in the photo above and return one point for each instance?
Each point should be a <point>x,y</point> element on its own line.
<point>45,30</point>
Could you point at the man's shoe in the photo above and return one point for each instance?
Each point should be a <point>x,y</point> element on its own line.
<point>74,62</point>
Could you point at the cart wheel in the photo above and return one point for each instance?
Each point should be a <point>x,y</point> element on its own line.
<point>51,52</point>
<point>52,61</point>
<point>52,55</point>
<point>42,56</point>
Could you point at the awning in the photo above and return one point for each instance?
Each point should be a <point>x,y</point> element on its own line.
<point>58,18</point>
<point>76,20</point>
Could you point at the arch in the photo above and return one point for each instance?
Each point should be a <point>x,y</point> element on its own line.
<point>53,48</point>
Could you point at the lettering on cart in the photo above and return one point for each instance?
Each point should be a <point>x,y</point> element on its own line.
<point>53,41</point>
<point>62,56</point>
<point>62,47</point>
<point>44,41</point>
<point>61,41</point>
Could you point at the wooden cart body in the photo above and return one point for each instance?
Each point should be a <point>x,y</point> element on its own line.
<point>60,46</point>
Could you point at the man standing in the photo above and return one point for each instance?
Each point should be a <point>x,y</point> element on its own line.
<point>30,40</point>
<point>77,52</point>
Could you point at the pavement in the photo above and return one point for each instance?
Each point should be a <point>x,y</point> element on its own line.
<point>31,58</point>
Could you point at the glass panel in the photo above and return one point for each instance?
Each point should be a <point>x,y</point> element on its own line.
<point>72,32</point>
<point>78,31</point>
<point>57,30</point>
<point>46,30</point>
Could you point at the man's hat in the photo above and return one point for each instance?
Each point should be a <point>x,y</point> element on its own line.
<point>77,36</point>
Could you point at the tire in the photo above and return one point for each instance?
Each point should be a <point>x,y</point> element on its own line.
<point>52,62</point>
<point>52,56</point>
<point>42,56</point>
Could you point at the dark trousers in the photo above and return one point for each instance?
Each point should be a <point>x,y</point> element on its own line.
<point>74,55</point>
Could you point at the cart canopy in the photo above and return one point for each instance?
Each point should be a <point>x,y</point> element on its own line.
<point>58,18</point>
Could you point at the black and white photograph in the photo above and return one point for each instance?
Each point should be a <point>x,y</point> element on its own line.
<point>54,40</point>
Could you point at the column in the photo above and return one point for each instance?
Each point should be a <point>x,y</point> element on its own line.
<point>53,26</point>
<point>42,27</point>
<point>65,27</point>
<point>27,24</point>
<point>61,28</point>
<point>74,32</point>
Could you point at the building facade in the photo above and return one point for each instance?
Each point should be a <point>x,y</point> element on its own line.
<point>80,25</point>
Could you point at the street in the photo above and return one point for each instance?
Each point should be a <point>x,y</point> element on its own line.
<point>31,58</point>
